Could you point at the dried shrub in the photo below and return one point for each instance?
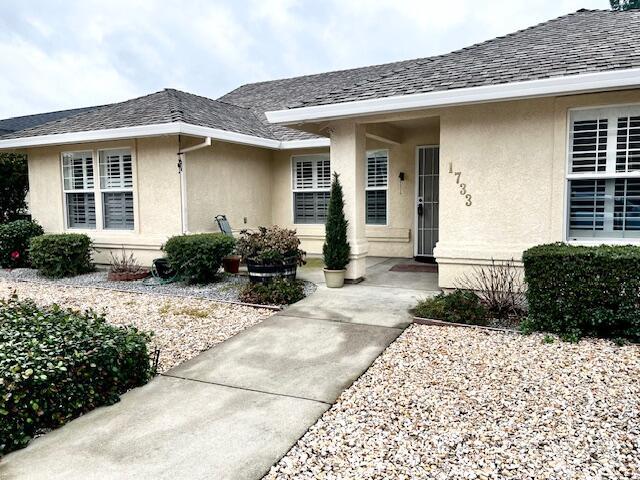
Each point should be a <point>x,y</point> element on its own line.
<point>270,246</point>
<point>123,263</point>
<point>499,286</point>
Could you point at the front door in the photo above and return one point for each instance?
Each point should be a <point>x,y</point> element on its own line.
<point>427,194</point>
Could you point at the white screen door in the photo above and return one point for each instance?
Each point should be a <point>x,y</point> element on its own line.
<point>427,194</point>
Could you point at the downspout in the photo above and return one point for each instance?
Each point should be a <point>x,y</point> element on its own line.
<point>182,167</point>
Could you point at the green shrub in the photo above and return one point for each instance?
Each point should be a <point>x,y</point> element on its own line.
<point>460,306</point>
<point>14,184</point>
<point>56,364</point>
<point>61,255</point>
<point>198,257</point>
<point>279,291</point>
<point>576,290</point>
<point>14,242</point>
<point>270,246</point>
<point>336,249</point>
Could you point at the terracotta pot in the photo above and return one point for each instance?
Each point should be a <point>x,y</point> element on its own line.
<point>127,276</point>
<point>231,263</point>
<point>334,278</point>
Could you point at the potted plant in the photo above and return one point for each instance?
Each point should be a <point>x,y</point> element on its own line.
<point>125,268</point>
<point>336,249</point>
<point>270,252</point>
<point>231,263</point>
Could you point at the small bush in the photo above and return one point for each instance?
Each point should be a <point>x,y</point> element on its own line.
<point>123,263</point>
<point>280,291</point>
<point>575,291</point>
<point>198,257</point>
<point>56,364</point>
<point>460,306</point>
<point>14,242</point>
<point>271,245</point>
<point>500,287</point>
<point>61,255</point>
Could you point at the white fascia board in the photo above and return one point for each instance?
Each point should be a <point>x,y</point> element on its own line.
<point>311,143</point>
<point>572,84</point>
<point>173,128</point>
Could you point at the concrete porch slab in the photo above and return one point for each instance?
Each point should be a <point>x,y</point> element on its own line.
<point>170,429</point>
<point>301,357</point>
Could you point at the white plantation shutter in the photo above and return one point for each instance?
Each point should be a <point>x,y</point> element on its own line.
<point>116,184</point>
<point>311,185</point>
<point>376,187</point>
<point>604,174</point>
<point>628,144</point>
<point>377,163</point>
<point>116,170</point>
<point>78,186</point>
<point>589,145</point>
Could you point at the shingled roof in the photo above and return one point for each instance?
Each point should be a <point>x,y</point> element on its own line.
<point>9,125</point>
<point>581,42</point>
<point>166,106</point>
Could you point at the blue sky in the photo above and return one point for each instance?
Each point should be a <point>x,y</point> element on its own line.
<point>63,54</point>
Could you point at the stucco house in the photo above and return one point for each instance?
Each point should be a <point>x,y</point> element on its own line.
<point>529,138</point>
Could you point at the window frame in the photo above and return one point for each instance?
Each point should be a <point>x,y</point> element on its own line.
<point>65,191</point>
<point>293,161</point>
<point>97,191</point>
<point>376,188</point>
<point>610,173</point>
<point>102,190</point>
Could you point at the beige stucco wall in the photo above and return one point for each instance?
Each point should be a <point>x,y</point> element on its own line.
<point>156,195</point>
<point>512,158</point>
<point>229,179</point>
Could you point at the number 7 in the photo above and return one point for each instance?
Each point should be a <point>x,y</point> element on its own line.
<point>457,174</point>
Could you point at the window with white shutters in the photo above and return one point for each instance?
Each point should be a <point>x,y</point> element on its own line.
<point>604,174</point>
<point>116,187</point>
<point>311,185</point>
<point>78,186</point>
<point>376,187</point>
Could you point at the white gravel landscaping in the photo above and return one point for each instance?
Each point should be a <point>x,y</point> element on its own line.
<point>458,403</point>
<point>226,290</point>
<point>183,327</point>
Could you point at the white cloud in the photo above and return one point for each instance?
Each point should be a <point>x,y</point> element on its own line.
<point>93,51</point>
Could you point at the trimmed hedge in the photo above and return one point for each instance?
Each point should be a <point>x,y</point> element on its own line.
<point>57,364</point>
<point>577,291</point>
<point>61,255</point>
<point>198,257</point>
<point>14,242</point>
<point>279,291</point>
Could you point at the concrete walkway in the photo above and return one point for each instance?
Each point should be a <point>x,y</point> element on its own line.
<point>233,411</point>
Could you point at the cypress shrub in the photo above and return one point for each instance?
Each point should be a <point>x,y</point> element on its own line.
<point>336,249</point>
<point>575,291</point>
<point>61,255</point>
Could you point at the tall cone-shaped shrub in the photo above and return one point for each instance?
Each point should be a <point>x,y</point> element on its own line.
<point>336,248</point>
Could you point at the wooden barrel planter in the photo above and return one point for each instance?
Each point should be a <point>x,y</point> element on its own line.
<point>265,273</point>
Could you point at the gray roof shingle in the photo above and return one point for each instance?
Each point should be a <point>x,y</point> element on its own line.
<point>14,124</point>
<point>581,42</point>
<point>166,106</point>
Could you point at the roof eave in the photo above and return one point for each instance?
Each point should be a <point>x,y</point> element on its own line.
<point>571,84</point>
<point>141,131</point>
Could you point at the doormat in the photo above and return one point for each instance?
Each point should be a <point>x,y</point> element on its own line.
<point>413,267</point>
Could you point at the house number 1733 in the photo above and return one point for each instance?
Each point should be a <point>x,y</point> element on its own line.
<point>462,186</point>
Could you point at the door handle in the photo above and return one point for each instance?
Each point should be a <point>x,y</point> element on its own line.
<point>420,209</point>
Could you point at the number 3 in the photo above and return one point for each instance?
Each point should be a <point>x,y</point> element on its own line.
<point>463,188</point>
<point>468,202</point>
